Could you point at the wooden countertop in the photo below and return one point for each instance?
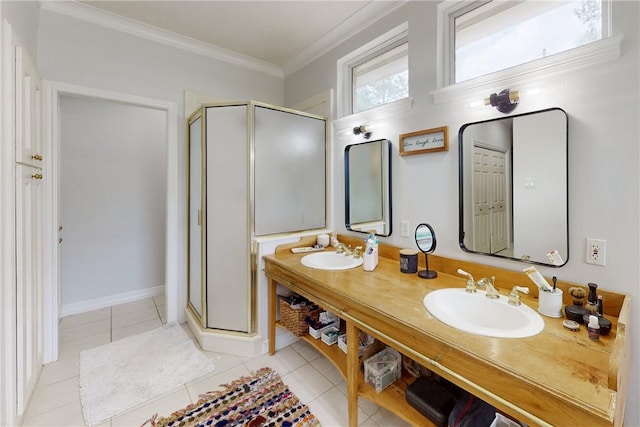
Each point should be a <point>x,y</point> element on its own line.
<point>556,377</point>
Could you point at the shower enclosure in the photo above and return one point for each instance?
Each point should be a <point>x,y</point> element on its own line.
<point>254,170</point>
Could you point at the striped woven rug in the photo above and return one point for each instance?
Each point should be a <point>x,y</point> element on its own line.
<point>261,399</point>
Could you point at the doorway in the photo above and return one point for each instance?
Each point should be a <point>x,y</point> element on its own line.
<point>112,202</point>
<point>57,95</point>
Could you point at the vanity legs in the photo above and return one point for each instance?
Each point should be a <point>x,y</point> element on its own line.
<point>272,316</point>
<point>352,373</point>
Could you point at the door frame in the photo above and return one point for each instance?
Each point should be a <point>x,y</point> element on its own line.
<point>174,250</point>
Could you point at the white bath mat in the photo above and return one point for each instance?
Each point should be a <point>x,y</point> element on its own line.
<point>119,376</point>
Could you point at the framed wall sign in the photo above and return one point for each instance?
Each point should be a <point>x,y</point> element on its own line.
<point>425,141</point>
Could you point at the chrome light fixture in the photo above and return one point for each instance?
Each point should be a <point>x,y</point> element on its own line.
<point>506,101</point>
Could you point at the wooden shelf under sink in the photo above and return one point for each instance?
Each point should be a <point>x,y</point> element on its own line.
<point>391,398</point>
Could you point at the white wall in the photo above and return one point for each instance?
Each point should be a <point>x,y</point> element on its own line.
<point>85,54</point>
<point>112,198</point>
<point>23,16</point>
<point>603,107</point>
<point>536,229</point>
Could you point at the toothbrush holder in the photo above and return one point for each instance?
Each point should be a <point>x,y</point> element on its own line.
<point>550,303</point>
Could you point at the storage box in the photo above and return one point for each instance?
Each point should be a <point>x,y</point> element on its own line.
<point>365,342</point>
<point>502,421</point>
<point>432,399</point>
<point>316,329</point>
<point>297,320</point>
<point>383,368</point>
<point>330,336</point>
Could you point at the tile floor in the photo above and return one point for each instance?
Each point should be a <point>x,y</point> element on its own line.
<point>56,400</point>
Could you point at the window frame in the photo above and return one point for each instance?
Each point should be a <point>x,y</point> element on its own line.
<point>607,48</point>
<point>387,41</point>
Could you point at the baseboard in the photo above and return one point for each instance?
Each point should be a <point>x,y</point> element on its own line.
<point>284,338</point>
<point>244,345</point>
<point>111,300</point>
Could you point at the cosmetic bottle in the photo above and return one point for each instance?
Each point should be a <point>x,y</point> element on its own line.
<point>594,328</point>
<point>370,256</point>
<point>600,310</point>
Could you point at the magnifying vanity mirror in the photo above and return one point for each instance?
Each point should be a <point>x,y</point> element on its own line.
<point>426,242</point>
<point>367,178</point>
<point>513,187</point>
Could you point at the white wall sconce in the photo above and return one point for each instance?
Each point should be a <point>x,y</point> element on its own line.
<point>505,101</point>
<point>362,130</point>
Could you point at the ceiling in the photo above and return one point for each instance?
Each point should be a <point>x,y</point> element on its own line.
<point>280,33</point>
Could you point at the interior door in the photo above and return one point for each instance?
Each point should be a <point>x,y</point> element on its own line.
<point>28,141</point>
<point>29,279</point>
<point>498,201</point>
<point>481,200</point>
<point>29,199</point>
<point>490,225</point>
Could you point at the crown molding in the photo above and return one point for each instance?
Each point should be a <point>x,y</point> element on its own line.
<point>372,12</point>
<point>91,14</point>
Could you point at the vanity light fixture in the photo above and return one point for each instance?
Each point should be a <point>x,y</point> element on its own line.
<point>362,130</point>
<point>505,101</point>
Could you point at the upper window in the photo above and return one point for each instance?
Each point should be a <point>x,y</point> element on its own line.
<point>496,35</point>
<point>376,74</point>
<point>382,79</point>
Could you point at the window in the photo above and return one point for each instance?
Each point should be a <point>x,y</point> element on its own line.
<point>495,35</point>
<point>381,79</point>
<point>376,74</point>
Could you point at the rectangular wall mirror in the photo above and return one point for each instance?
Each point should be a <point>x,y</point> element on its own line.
<point>513,187</point>
<point>367,178</point>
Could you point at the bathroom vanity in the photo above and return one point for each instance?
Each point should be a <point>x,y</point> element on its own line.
<point>556,377</point>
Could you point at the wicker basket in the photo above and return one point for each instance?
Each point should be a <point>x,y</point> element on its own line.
<point>294,320</point>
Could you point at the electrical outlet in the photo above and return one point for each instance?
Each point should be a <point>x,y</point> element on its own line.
<point>404,228</point>
<point>596,252</point>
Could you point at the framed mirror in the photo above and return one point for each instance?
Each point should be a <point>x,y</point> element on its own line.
<point>513,187</point>
<point>367,168</point>
<point>426,242</point>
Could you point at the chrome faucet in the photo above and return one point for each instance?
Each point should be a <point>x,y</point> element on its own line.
<point>492,292</point>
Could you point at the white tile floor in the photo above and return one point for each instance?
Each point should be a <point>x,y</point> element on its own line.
<point>316,382</point>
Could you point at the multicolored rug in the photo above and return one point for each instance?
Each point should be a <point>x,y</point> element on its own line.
<point>255,401</point>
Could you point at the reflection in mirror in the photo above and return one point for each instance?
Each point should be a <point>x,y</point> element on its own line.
<point>368,187</point>
<point>426,242</point>
<point>513,187</point>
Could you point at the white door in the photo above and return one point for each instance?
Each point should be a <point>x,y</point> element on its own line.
<point>490,227</point>
<point>28,86</point>
<point>29,280</point>
<point>29,220</point>
<point>481,201</point>
<point>498,194</point>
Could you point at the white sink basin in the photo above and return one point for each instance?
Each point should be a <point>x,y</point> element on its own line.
<point>477,314</point>
<point>330,261</point>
